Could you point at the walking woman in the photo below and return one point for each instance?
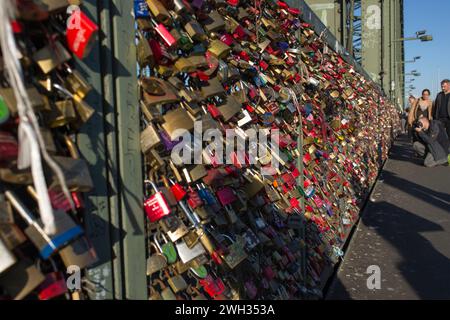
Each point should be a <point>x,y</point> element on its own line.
<point>422,107</point>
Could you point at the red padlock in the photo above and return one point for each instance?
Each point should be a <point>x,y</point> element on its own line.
<point>81,32</point>
<point>282,5</point>
<point>156,206</point>
<point>177,190</point>
<point>227,39</point>
<point>53,286</point>
<point>214,111</point>
<point>194,200</point>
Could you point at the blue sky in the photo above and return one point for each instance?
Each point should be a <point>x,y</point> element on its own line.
<point>433,16</point>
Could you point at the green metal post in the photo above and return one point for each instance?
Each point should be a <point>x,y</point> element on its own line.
<point>129,160</point>
<point>91,142</point>
<point>110,143</point>
<point>371,29</point>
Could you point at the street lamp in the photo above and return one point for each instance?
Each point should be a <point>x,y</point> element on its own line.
<point>420,35</point>
<point>410,61</point>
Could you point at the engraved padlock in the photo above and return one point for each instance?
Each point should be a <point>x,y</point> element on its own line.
<point>156,206</point>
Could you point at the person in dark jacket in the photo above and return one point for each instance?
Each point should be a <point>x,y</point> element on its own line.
<point>437,144</point>
<point>441,110</point>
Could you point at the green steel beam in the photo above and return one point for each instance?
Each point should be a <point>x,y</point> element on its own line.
<point>130,184</point>
<point>331,14</point>
<point>91,142</point>
<point>110,143</point>
<point>371,31</point>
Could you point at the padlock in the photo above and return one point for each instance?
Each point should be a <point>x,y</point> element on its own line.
<point>156,260</point>
<point>213,88</point>
<point>199,271</point>
<point>12,235</point>
<point>50,57</point>
<point>176,282</point>
<point>157,91</point>
<point>77,84</point>
<point>76,171</point>
<point>4,110</point>
<point>251,289</point>
<point>79,253</point>
<point>144,53</point>
<point>156,206</point>
<point>214,22</point>
<point>187,254</point>
<point>229,108</point>
<point>159,11</point>
<point>61,114</point>
<point>214,287</point>
<point>195,31</point>
<point>80,34</point>
<point>6,214</point>
<point>183,41</point>
<point>54,284</point>
<point>219,49</point>
<point>166,292</point>
<point>195,293</point>
<point>141,10</point>
<point>164,34</point>
<point>236,253</point>
<point>15,176</point>
<point>167,248</point>
<point>191,238</point>
<point>149,138</point>
<point>197,172</point>
<point>8,99</point>
<point>21,279</point>
<point>84,110</point>
<point>9,149</point>
<point>58,199</point>
<point>7,259</point>
<point>66,229</point>
<point>176,229</point>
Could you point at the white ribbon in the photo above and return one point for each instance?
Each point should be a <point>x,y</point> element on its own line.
<point>31,143</point>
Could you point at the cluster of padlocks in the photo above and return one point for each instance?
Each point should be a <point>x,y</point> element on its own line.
<point>42,177</point>
<point>249,225</point>
<point>265,218</point>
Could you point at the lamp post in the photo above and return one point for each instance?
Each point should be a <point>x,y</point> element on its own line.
<point>420,35</point>
<point>423,37</point>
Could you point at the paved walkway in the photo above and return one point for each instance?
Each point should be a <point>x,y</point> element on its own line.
<point>405,230</point>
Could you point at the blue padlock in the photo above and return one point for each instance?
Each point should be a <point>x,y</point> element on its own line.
<point>66,229</point>
<point>141,10</point>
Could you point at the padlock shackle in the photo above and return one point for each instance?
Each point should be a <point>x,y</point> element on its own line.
<point>156,242</point>
<point>192,216</point>
<point>228,237</point>
<point>63,90</point>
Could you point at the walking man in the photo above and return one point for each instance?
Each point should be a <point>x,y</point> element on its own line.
<point>442,105</point>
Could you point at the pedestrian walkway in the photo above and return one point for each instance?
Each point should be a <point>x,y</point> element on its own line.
<point>405,230</point>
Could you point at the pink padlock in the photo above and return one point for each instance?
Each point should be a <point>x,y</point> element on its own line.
<point>226,196</point>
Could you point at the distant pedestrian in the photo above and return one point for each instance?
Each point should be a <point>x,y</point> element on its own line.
<point>412,102</point>
<point>404,118</point>
<point>441,109</point>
